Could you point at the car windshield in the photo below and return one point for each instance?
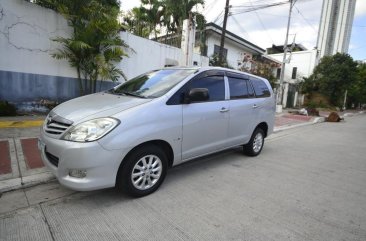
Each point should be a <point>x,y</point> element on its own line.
<point>152,84</point>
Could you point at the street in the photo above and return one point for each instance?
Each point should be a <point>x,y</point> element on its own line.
<point>309,183</point>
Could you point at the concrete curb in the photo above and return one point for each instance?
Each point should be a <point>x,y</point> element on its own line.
<point>24,182</point>
<point>353,114</point>
<point>290,126</point>
<point>315,121</point>
<point>21,124</point>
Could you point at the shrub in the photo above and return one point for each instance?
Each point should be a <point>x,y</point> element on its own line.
<point>7,109</point>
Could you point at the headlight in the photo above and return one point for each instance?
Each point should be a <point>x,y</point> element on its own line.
<point>91,130</point>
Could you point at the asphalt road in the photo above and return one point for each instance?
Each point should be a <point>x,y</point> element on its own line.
<point>309,183</point>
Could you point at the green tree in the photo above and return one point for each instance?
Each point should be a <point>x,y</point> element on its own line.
<point>178,10</point>
<point>95,45</point>
<point>332,77</point>
<point>135,22</point>
<point>146,18</point>
<point>264,70</point>
<point>358,89</point>
<point>152,15</point>
<point>214,61</point>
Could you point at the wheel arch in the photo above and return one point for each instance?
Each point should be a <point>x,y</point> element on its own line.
<point>264,127</point>
<point>167,148</point>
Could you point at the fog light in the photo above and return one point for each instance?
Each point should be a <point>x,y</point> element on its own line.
<point>77,173</point>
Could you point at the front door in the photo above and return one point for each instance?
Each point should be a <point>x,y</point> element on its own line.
<point>205,124</point>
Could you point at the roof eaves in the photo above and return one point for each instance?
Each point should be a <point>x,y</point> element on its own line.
<point>214,27</point>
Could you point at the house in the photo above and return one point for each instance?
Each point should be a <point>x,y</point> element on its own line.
<point>237,51</point>
<point>300,63</point>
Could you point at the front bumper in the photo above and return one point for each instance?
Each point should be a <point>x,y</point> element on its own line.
<point>101,165</point>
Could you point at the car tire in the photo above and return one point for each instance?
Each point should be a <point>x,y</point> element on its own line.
<point>256,143</point>
<point>143,171</point>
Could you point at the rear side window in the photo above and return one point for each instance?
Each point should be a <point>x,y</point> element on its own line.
<point>214,84</point>
<point>260,88</point>
<point>239,88</point>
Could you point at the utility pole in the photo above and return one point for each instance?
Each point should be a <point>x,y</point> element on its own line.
<point>285,49</point>
<point>221,53</point>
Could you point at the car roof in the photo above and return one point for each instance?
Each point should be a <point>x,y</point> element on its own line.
<point>201,69</point>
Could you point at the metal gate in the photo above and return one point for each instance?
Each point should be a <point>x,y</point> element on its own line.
<point>291,96</point>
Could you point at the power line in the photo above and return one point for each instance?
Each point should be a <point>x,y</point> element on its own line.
<point>240,27</point>
<point>257,3</point>
<point>209,7</point>
<point>260,20</point>
<point>306,20</point>
<point>221,22</point>
<point>360,47</point>
<point>281,16</point>
<point>250,8</point>
<point>218,16</point>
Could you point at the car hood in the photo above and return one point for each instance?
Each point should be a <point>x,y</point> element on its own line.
<point>93,105</point>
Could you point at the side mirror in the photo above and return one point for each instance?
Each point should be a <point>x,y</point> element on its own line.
<point>197,95</point>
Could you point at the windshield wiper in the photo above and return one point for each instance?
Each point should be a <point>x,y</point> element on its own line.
<point>116,92</point>
<point>133,94</point>
<point>112,91</point>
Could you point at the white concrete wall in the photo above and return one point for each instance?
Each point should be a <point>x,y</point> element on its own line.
<point>303,60</point>
<point>234,53</point>
<point>26,30</point>
<point>200,60</point>
<point>145,55</point>
<point>27,70</point>
<point>25,45</point>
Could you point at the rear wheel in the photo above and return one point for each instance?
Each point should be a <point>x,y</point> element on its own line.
<point>255,145</point>
<point>143,171</point>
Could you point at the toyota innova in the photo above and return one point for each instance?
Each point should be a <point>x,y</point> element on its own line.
<point>130,135</point>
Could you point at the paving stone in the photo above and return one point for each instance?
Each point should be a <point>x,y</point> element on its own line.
<point>5,161</point>
<point>31,153</point>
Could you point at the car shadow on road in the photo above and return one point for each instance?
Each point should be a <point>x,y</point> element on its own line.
<point>179,173</point>
<point>176,176</point>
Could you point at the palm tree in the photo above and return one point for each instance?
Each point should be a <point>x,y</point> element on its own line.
<point>158,13</point>
<point>73,51</point>
<point>179,10</point>
<point>95,45</point>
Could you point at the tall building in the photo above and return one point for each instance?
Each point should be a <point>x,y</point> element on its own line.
<point>335,26</point>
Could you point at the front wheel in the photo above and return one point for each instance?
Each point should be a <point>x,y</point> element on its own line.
<point>255,145</point>
<point>143,171</point>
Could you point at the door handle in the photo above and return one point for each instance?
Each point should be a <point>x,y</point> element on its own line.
<point>255,106</point>
<point>223,109</point>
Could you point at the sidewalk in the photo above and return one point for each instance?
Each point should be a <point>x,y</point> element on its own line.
<point>20,161</point>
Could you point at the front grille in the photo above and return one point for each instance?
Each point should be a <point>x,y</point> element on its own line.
<point>56,128</point>
<point>53,159</point>
<point>56,125</point>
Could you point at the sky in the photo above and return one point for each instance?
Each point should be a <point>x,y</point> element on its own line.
<point>267,26</point>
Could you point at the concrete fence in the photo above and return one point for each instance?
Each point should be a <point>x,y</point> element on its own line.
<point>28,73</point>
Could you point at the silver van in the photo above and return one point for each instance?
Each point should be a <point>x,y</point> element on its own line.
<point>130,135</point>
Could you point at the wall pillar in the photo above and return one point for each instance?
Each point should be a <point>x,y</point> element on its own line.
<point>187,44</point>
